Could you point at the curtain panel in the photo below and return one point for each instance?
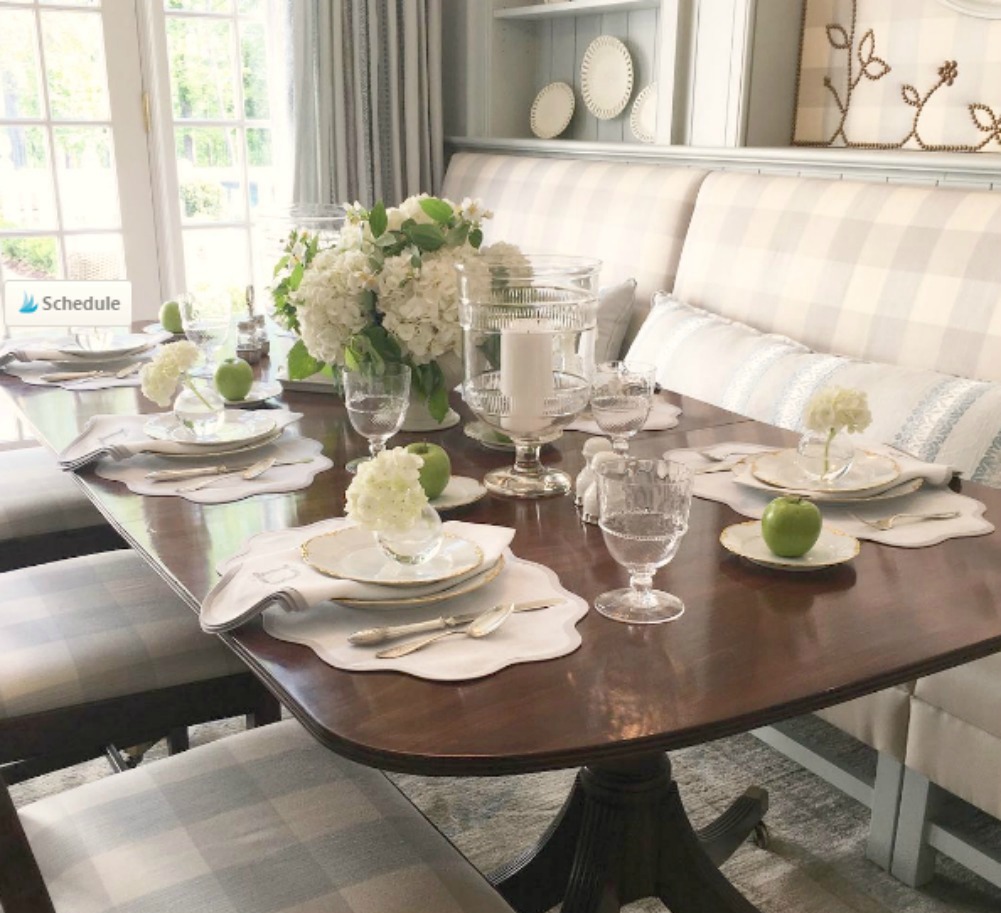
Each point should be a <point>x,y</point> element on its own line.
<point>367,106</point>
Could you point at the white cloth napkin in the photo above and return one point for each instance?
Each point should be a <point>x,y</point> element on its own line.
<point>121,436</point>
<point>751,497</point>
<point>33,373</point>
<point>269,569</point>
<point>225,488</point>
<point>663,415</point>
<point>524,637</point>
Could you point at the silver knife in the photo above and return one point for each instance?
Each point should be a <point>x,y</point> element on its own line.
<point>370,636</point>
<point>192,472</point>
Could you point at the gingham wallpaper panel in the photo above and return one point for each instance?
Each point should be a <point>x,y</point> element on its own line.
<point>266,821</point>
<point>937,417</point>
<point>37,497</point>
<point>918,43</point>
<point>97,627</point>
<point>632,217</point>
<point>898,274</point>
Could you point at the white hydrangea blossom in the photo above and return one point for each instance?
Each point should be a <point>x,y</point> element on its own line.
<point>386,494</point>
<point>474,211</point>
<point>159,378</point>
<point>329,301</point>
<point>835,409</point>
<point>421,306</point>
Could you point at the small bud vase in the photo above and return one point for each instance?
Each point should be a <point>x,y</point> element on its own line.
<point>418,543</point>
<point>199,408</point>
<point>825,456</point>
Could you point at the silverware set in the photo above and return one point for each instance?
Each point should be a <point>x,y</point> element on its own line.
<point>208,475</point>
<point>471,624</point>
<point>60,377</point>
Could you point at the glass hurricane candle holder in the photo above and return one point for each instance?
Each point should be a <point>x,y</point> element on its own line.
<point>529,325</point>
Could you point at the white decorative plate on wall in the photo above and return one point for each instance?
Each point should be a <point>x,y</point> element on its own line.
<point>552,109</point>
<point>606,77</point>
<point>643,117</point>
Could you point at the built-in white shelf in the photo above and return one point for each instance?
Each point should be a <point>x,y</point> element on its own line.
<point>574,8</point>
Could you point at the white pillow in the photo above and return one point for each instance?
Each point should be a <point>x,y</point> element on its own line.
<point>615,307</point>
<point>937,417</point>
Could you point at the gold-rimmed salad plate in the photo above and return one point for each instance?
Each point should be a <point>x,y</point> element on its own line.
<point>352,554</point>
<point>834,547</point>
<point>466,585</point>
<point>237,428</point>
<point>782,469</point>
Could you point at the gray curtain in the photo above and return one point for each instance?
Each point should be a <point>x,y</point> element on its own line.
<point>367,108</point>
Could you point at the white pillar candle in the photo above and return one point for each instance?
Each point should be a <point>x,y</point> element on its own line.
<point>526,373</point>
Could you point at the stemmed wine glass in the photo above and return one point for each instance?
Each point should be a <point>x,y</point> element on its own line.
<point>621,397</point>
<point>207,318</point>
<point>377,404</point>
<point>644,507</point>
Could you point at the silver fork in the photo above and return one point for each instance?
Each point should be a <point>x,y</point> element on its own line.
<point>885,523</point>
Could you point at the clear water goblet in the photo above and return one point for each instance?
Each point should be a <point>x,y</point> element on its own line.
<point>643,506</point>
<point>621,398</point>
<point>377,404</point>
<point>207,320</point>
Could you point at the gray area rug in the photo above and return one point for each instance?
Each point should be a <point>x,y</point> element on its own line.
<point>815,863</point>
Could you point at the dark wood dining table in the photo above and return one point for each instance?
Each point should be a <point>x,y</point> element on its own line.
<point>754,646</point>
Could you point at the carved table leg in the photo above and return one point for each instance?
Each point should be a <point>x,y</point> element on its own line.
<point>622,835</point>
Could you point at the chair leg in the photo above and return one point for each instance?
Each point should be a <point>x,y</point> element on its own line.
<point>885,809</point>
<point>177,740</point>
<point>913,855</point>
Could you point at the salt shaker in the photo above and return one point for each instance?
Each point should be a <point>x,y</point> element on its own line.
<point>586,477</point>
<point>590,510</point>
<point>247,346</point>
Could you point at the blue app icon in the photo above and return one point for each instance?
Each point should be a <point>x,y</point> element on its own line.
<point>29,305</point>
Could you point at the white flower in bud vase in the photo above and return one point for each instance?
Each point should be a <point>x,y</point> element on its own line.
<point>386,493</point>
<point>835,409</point>
<point>160,377</point>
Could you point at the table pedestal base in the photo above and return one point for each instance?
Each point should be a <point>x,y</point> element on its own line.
<point>622,835</point>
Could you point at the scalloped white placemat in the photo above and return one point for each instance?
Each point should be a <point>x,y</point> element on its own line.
<point>524,637</point>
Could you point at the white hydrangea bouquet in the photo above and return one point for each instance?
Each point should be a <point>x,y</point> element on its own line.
<point>386,493</point>
<point>384,291</point>
<point>159,378</point>
<point>833,410</point>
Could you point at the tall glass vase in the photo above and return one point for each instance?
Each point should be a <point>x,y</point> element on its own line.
<point>528,337</point>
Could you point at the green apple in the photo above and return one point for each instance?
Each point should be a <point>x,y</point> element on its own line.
<point>170,317</point>
<point>790,526</point>
<point>436,470</point>
<point>234,378</point>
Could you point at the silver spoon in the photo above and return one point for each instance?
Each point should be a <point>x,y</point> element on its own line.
<point>251,472</point>
<point>480,626</point>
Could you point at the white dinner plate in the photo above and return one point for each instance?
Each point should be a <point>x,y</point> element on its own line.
<point>237,428</point>
<point>115,347</point>
<point>552,109</point>
<point>606,77</point>
<point>742,475</point>
<point>260,391</point>
<point>832,548</point>
<point>464,585</point>
<point>460,491</point>
<point>352,554</point>
<point>643,117</point>
<point>219,450</point>
<point>868,473</point>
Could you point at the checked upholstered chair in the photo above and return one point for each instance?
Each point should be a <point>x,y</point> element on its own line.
<point>44,515</point>
<point>266,821</point>
<point>97,651</point>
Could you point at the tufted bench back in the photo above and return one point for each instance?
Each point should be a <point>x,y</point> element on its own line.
<point>890,273</point>
<point>632,216</point>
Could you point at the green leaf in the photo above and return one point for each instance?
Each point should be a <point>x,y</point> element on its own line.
<point>300,363</point>
<point>377,219</point>
<point>456,237</point>
<point>439,210</point>
<point>279,266</point>
<point>426,237</point>
<point>295,277</point>
<point>476,238</point>
<point>415,261</point>
<point>438,403</point>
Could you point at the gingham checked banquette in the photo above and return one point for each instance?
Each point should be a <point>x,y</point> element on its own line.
<point>97,627</point>
<point>37,497</point>
<point>266,821</point>
<point>632,217</point>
